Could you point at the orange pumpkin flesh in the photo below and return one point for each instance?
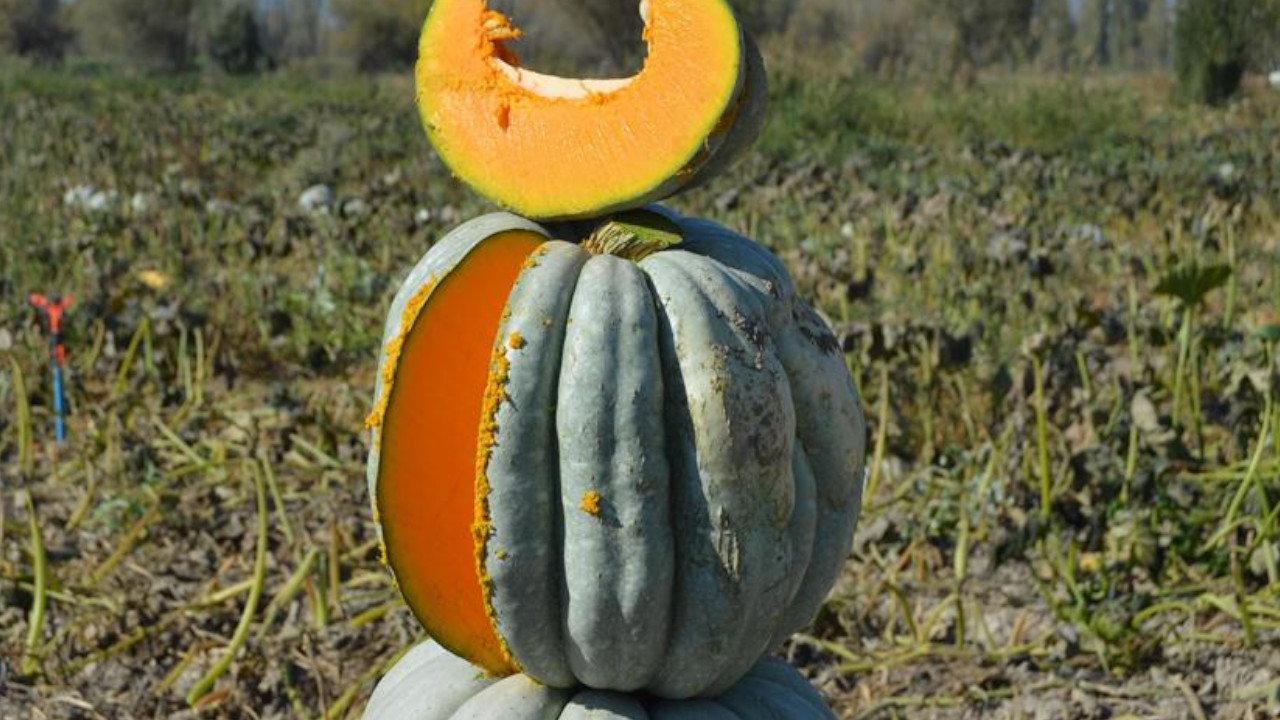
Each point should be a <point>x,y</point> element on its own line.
<point>431,437</point>
<point>560,148</point>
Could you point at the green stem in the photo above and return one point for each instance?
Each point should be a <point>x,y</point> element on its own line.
<point>35,623</point>
<point>1233,283</point>
<point>1197,407</point>
<point>290,591</point>
<point>241,635</point>
<point>25,454</point>
<point>1135,341</point>
<point>1130,464</point>
<point>1229,521</point>
<point>130,355</point>
<point>882,437</point>
<point>1242,599</point>
<point>1082,366</point>
<point>1184,352</point>
<point>1042,442</point>
<point>634,236</point>
<point>927,389</point>
<point>277,499</point>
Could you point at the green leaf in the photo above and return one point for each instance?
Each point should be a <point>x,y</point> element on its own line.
<point>1269,333</point>
<point>1191,284</point>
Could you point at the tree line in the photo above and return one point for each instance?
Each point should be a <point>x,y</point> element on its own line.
<point>1211,44</point>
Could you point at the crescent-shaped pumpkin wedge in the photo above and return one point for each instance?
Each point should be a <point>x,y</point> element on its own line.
<point>632,462</point>
<point>553,148</point>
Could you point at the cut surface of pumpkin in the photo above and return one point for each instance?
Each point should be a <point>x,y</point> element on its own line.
<point>426,495</point>
<point>557,148</point>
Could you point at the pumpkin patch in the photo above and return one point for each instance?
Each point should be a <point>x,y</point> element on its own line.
<point>629,474</point>
<point>562,148</point>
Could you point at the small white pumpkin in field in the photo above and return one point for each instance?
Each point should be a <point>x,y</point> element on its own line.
<point>431,684</point>
<point>1275,79</point>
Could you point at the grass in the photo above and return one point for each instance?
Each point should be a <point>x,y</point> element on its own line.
<point>1075,469</point>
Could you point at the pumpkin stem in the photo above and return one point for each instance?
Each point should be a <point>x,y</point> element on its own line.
<point>634,235</point>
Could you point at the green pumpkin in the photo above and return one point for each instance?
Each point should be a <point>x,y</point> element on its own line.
<point>668,456</point>
<point>431,684</point>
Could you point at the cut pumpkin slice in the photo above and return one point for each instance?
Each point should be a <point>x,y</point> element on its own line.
<point>430,433</point>
<point>553,148</point>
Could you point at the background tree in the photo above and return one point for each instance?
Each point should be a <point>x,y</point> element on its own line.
<point>34,29</point>
<point>1127,19</point>
<point>1157,36</point>
<point>986,31</point>
<point>1054,30</point>
<point>235,42</point>
<point>293,29</point>
<point>1096,20</point>
<point>1217,41</point>
<point>380,35</point>
<point>150,35</point>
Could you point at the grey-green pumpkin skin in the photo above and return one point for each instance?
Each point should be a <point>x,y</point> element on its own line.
<point>710,410</point>
<point>431,684</point>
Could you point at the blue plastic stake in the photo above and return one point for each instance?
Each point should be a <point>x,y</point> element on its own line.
<point>54,309</point>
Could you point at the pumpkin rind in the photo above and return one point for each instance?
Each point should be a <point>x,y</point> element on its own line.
<point>747,124</point>
<point>699,365</point>
<point>430,684</point>
<point>830,421</point>
<point>443,258</point>
<point>446,329</point>
<point>403,694</point>
<point>523,470</point>
<point>612,445</point>
<point>515,698</point>
<point>731,428</point>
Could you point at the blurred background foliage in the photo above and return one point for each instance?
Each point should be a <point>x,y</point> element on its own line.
<point>1211,44</point>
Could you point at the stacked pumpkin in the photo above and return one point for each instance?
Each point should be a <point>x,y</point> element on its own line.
<point>617,461</point>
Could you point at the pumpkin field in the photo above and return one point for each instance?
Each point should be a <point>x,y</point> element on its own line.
<point>1059,299</point>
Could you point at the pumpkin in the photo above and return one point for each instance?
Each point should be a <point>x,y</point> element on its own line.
<point>430,684</point>
<point>594,146</point>
<point>632,462</point>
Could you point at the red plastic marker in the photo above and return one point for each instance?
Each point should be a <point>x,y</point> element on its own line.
<point>53,310</point>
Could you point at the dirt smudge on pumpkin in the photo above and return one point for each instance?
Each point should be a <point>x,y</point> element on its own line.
<point>816,332</point>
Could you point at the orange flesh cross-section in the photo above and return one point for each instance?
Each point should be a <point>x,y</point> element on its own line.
<point>429,441</point>
<point>557,147</point>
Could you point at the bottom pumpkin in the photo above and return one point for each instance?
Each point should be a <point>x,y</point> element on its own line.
<point>431,684</point>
